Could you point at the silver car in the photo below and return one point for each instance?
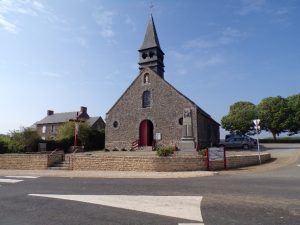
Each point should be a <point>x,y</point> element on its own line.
<point>237,142</point>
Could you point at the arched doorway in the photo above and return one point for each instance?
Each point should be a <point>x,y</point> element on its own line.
<point>146,133</point>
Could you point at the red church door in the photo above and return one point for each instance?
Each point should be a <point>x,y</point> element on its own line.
<point>146,133</point>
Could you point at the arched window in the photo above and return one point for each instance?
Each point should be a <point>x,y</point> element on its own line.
<point>146,99</point>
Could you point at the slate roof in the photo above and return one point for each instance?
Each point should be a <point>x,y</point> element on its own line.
<point>58,118</point>
<point>151,39</point>
<point>92,120</point>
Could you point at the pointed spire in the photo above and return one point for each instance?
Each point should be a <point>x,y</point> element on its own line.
<point>150,54</point>
<point>151,39</point>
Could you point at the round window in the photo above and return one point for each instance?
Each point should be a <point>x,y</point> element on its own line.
<point>115,124</point>
<point>180,121</point>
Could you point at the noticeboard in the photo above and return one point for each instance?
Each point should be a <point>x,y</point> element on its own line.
<point>216,153</point>
<point>158,136</point>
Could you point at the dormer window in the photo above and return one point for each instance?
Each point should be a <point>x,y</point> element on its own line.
<point>146,99</point>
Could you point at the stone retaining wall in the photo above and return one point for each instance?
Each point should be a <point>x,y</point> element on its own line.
<point>35,161</point>
<point>159,164</point>
<point>238,161</point>
<point>24,161</point>
<point>125,163</point>
<point>132,163</point>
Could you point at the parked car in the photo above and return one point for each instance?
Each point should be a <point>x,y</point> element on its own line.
<point>237,142</point>
<point>229,136</point>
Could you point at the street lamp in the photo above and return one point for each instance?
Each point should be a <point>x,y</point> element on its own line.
<point>257,128</point>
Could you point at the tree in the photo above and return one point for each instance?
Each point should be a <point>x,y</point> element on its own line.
<point>67,131</point>
<point>293,125</point>
<point>26,137</point>
<point>274,113</point>
<point>239,118</point>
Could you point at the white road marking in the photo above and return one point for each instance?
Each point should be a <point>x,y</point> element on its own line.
<point>191,224</point>
<point>23,177</point>
<point>184,207</point>
<point>12,181</point>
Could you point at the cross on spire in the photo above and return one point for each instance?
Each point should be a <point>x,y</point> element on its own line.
<point>151,6</point>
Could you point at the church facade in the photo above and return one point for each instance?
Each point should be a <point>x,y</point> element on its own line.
<point>151,111</point>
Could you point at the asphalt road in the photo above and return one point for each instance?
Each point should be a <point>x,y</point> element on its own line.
<point>236,197</point>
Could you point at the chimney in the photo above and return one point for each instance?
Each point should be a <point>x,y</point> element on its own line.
<point>83,109</point>
<point>50,112</point>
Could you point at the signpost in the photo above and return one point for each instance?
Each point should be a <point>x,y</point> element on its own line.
<point>257,128</point>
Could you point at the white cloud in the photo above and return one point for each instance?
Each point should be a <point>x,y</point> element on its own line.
<point>6,25</point>
<point>224,37</point>
<point>104,18</point>
<point>251,6</point>
<point>12,8</point>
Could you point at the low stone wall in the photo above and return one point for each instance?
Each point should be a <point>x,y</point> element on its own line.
<point>35,161</point>
<point>125,163</point>
<point>246,160</point>
<point>138,163</point>
<point>159,164</point>
<point>238,161</point>
<point>24,161</point>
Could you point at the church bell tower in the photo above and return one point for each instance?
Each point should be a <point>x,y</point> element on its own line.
<point>150,54</point>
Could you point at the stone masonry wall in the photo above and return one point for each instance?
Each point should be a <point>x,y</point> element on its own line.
<point>239,161</point>
<point>131,163</point>
<point>160,164</point>
<point>127,163</point>
<point>166,109</point>
<point>24,161</point>
<point>29,161</point>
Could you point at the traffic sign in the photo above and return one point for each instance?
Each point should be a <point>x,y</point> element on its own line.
<point>256,122</point>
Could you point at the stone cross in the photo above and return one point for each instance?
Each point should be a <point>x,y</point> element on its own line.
<point>187,130</point>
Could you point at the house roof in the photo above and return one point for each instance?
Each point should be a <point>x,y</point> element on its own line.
<point>151,39</point>
<point>92,120</point>
<point>59,118</point>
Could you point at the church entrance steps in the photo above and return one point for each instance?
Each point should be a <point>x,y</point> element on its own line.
<point>63,165</point>
<point>145,148</point>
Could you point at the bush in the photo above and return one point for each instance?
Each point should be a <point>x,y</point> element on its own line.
<point>202,152</point>
<point>165,151</point>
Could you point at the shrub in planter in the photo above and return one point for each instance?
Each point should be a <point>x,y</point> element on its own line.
<point>202,152</point>
<point>165,151</point>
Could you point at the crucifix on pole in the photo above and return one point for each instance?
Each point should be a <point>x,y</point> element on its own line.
<point>76,130</point>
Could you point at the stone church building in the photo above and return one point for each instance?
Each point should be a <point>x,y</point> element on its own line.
<point>152,111</point>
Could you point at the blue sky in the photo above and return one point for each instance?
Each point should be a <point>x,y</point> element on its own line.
<point>63,54</point>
